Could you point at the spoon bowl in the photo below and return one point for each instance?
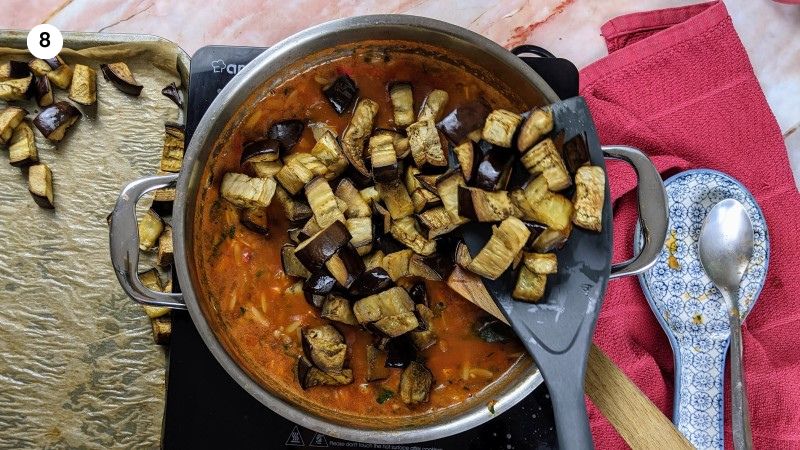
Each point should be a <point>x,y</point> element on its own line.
<point>726,246</point>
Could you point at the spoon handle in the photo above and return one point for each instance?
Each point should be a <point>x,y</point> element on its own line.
<point>740,416</point>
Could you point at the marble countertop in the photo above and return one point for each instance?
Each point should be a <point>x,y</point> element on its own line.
<point>568,28</point>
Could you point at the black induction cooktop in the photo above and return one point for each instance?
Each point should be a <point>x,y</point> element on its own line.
<point>205,408</point>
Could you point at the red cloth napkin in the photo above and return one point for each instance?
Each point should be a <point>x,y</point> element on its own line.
<point>678,84</point>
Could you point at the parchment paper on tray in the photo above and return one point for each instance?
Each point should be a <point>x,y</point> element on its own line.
<point>78,366</point>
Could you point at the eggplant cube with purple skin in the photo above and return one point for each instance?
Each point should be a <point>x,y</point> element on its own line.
<point>426,145</point>
<point>390,311</point>
<point>500,127</point>
<point>246,192</point>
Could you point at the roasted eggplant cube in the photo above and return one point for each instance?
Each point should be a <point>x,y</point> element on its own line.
<point>310,376</point>
<point>162,330</point>
<point>356,205</point>
<point>544,159</point>
<point>500,127</point>
<point>426,146</point>
<point>60,73</point>
<point>22,146</point>
<point>172,153</point>
<point>384,159</point>
<point>415,384</point>
<point>406,230</point>
<point>536,126</point>
<point>447,188</point>
<point>542,263</point>
<point>396,198</point>
<point>83,89</point>
<point>54,120</point>
<point>293,176</point>
<point>484,206</point>
<point>464,120</point>
<point>291,265</point>
<point>323,202</point>
<point>494,170</point>
<point>10,118</point>
<point>338,309</point>
<point>345,265</point>
<point>530,286</point>
<point>551,239</point>
<point>357,132</point>
<point>372,281</point>
<point>40,185</point>
<point>315,251</point>
<point>15,89</point>
<point>120,75</point>
<point>376,362</point>
<point>360,229</point>
<point>498,254</point>
<point>328,151</point>
<point>287,132</point>
<point>163,200</point>
<point>261,150</point>
<point>397,263</point>
<point>341,93</point>
<point>433,105</point>
<point>317,287</point>
<point>554,210</point>
<point>436,222</point>
<point>39,67</point>
<point>14,69</point>
<point>325,347</point>
<point>402,96</point>
<point>245,192</point>
<point>165,252</point>
<point>468,159</point>
<point>255,220</point>
<point>43,91</point>
<point>426,337</point>
<point>390,311</point>
<point>590,189</point>
<point>575,153</point>
<point>150,228</point>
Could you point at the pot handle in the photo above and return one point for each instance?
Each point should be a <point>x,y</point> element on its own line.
<point>124,243</point>
<point>652,205</point>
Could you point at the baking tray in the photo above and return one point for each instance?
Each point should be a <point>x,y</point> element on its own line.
<point>78,366</point>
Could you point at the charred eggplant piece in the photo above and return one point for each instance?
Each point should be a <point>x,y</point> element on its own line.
<point>60,73</point>
<point>384,159</point>
<point>551,239</point>
<point>360,229</point>
<point>464,120</point>
<point>539,204</point>
<point>376,364</point>
<point>10,118</point>
<point>500,127</point>
<point>402,96</point>
<point>494,170</point>
<point>423,199</point>
<point>317,287</point>
<point>396,198</point>
<point>356,205</point>
<point>323,203</point>
<point>43,91</point>
<point>14,69</point>
<point>328,151</point>
<point>173,93</point>
<point>338,309</point>
<point>40,185</point>
<point>447,188</point>
<point>536,126</point>
<point>22,146</point>
<point>83,88</point>
<point>543,159</point>
<point>150,228</point>
<point>426,146</point>
<point>287,132</point>
<point>357,132</point>
<point>165,250</point>
<point>172,154</point>
<point>262,150</point>
<point>255,220</point>
<point>436,222</point>
<point>468,159</point>
<point>397,263</point>
<point>484,206</point>
<point>293,176</point>
<point>291,265</point>
<point>245,192</point>
<point>400,351</point>
<point>389,311</point>
<point>542,263</point>
<point>590,190</point>
<point>122,78</point>
<point>15,89</point>
<point>345,265</point>
<point>341,93</point>
<point>296,210</point>
<point>399,141</point>
<point>315,251</point>
<point>415,384</point>
<point>309,376</point>
<point>371,282</point>
<point>530,286</point>
<point>433,105</point>
<point>497,255</point>
<point>406,231</point>
<point>426,337</point>
<point>325,347</point>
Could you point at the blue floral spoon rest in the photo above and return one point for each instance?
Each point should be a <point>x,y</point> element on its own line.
<point>689,308</point>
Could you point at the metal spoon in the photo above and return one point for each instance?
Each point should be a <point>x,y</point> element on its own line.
<point>726,246</point>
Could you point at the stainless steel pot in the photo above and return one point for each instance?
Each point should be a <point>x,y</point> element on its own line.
<point>229,108</point>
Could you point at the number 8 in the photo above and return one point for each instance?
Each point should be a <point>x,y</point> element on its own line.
<point>44,39</point>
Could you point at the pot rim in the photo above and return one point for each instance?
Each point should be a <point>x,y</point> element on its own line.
<point>221,110</point>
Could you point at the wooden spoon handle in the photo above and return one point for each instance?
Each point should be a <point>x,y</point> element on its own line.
<point>640,423</point>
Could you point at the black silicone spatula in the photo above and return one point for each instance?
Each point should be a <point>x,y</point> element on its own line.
<point>558,330</point>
